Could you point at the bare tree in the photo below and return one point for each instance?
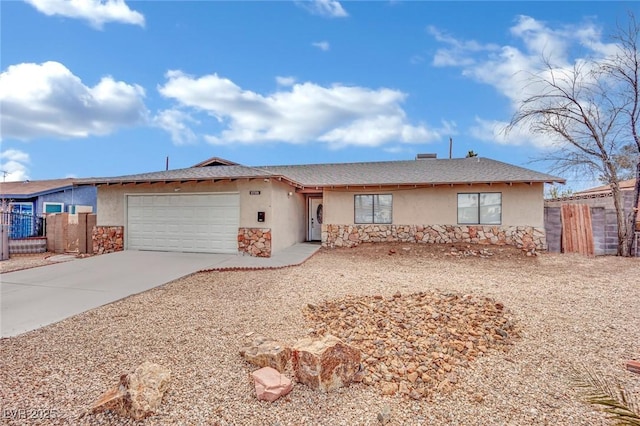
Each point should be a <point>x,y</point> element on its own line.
<point>590,113</point>
<point>623,68</point>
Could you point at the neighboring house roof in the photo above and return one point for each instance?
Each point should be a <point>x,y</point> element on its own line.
<point>625,185</point>
<point>215,161</point>
<point>384,173</point>
<point>30,189</point>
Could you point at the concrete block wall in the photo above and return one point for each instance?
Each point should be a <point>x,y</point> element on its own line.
<point>604,227</point>
<point>553,228</point>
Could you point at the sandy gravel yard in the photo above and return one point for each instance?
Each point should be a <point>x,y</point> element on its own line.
<point>504,333</point>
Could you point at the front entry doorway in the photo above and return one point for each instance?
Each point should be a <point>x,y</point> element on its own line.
<point>315,219</point>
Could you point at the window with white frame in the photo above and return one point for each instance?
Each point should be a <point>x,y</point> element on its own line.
<point>22,208</point>
<point>52,207</point>
<point>373,208</point>
<point>480,208</point>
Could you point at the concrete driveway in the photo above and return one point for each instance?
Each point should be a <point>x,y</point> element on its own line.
<point>36,297</point>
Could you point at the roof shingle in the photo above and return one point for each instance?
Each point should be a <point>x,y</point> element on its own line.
<point>409,172</point>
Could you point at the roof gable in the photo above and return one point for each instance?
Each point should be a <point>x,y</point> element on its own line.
<point>215,161</point>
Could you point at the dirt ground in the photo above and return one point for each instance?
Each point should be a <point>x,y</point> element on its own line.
<point>18,262</point>
<point>570,312</point>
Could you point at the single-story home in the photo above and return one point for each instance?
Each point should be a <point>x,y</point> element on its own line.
<point>218,206</point>
<point>38,197</point>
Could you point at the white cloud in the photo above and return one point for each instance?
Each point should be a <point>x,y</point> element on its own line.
<point>509,68</point>
<point>47,100</point>
<point>495,131</point>
<point>328,8</point>
<point>285,81</point>
<point>457,52</point>
<point>13,165</point>
<point>305,112</point>
<point>322,45</point>
<point>175,122</point>
<point>96,12</point>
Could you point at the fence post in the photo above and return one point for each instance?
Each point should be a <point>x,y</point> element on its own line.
<point>4,241</point>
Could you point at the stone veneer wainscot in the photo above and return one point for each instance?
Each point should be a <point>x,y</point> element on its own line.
<point>107,239</point>
<point>255,241</point>
<point>526,237</point>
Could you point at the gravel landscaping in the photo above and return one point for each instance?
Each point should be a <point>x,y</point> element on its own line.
<point>548,314</point>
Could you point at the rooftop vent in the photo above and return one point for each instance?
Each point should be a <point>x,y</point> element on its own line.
<point>425,156</point>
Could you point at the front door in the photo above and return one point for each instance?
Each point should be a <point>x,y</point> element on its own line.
<point>315,219</point>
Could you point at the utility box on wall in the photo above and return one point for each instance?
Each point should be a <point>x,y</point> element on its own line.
<point>260,216</point>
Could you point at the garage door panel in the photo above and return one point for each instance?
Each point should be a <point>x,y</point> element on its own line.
<point>187,222</point>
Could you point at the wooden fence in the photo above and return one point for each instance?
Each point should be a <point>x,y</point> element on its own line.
<point>577,229</point>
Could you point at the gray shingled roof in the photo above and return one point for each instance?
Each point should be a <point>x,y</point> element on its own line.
<point>410,172</point>
<point>427,171</point>
<point>191,173</point>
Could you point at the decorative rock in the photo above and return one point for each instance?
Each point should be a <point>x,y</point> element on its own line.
<point>389,388</point>
<point>384,416</point>
<point>415,345</point>
<point>326,363</point>
<point>267,353</point>
<point>139,393</point>
<point>633,366</point>
<point>526,237</point>
<point>255,241</point>
<point>270,384</point>
<point>107,239</point>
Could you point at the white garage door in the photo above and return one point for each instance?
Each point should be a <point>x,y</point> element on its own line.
<point>200,223</point>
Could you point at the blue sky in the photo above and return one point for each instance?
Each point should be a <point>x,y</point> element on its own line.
<point>106,88</point>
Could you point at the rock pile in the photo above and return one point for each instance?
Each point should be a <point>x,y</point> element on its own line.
<point>415,344</point>
<point>469,251</point>
<point>324,363</point>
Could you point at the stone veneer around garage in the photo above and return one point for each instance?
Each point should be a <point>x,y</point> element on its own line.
<point>526,237</point>
<point>107,239</point>
<point>255,241</point>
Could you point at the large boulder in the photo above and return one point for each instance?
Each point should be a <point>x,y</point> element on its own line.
<point>270,384</point>
<point>138,394</point>
<point>326,363</point>
<point>267,353</point>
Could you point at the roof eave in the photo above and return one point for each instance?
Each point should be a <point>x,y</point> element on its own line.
<point>430,184</point>
<point>213,179</point>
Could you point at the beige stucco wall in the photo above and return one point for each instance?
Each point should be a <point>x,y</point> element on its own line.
<point>288,221</point>
<point>284,214</point>
<point>522,204</point>
<point>112,199</point>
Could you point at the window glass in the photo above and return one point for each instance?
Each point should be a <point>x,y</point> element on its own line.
<point>491,208</point>
<point>383,207</point>
<point>24,208</point>
<point>53,207</point>
<point>373,208</point>
<point>483,208</point>
<point>468,208</point>
<point>364,209</point>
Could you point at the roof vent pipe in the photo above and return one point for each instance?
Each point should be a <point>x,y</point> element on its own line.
<point>425,156</point>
